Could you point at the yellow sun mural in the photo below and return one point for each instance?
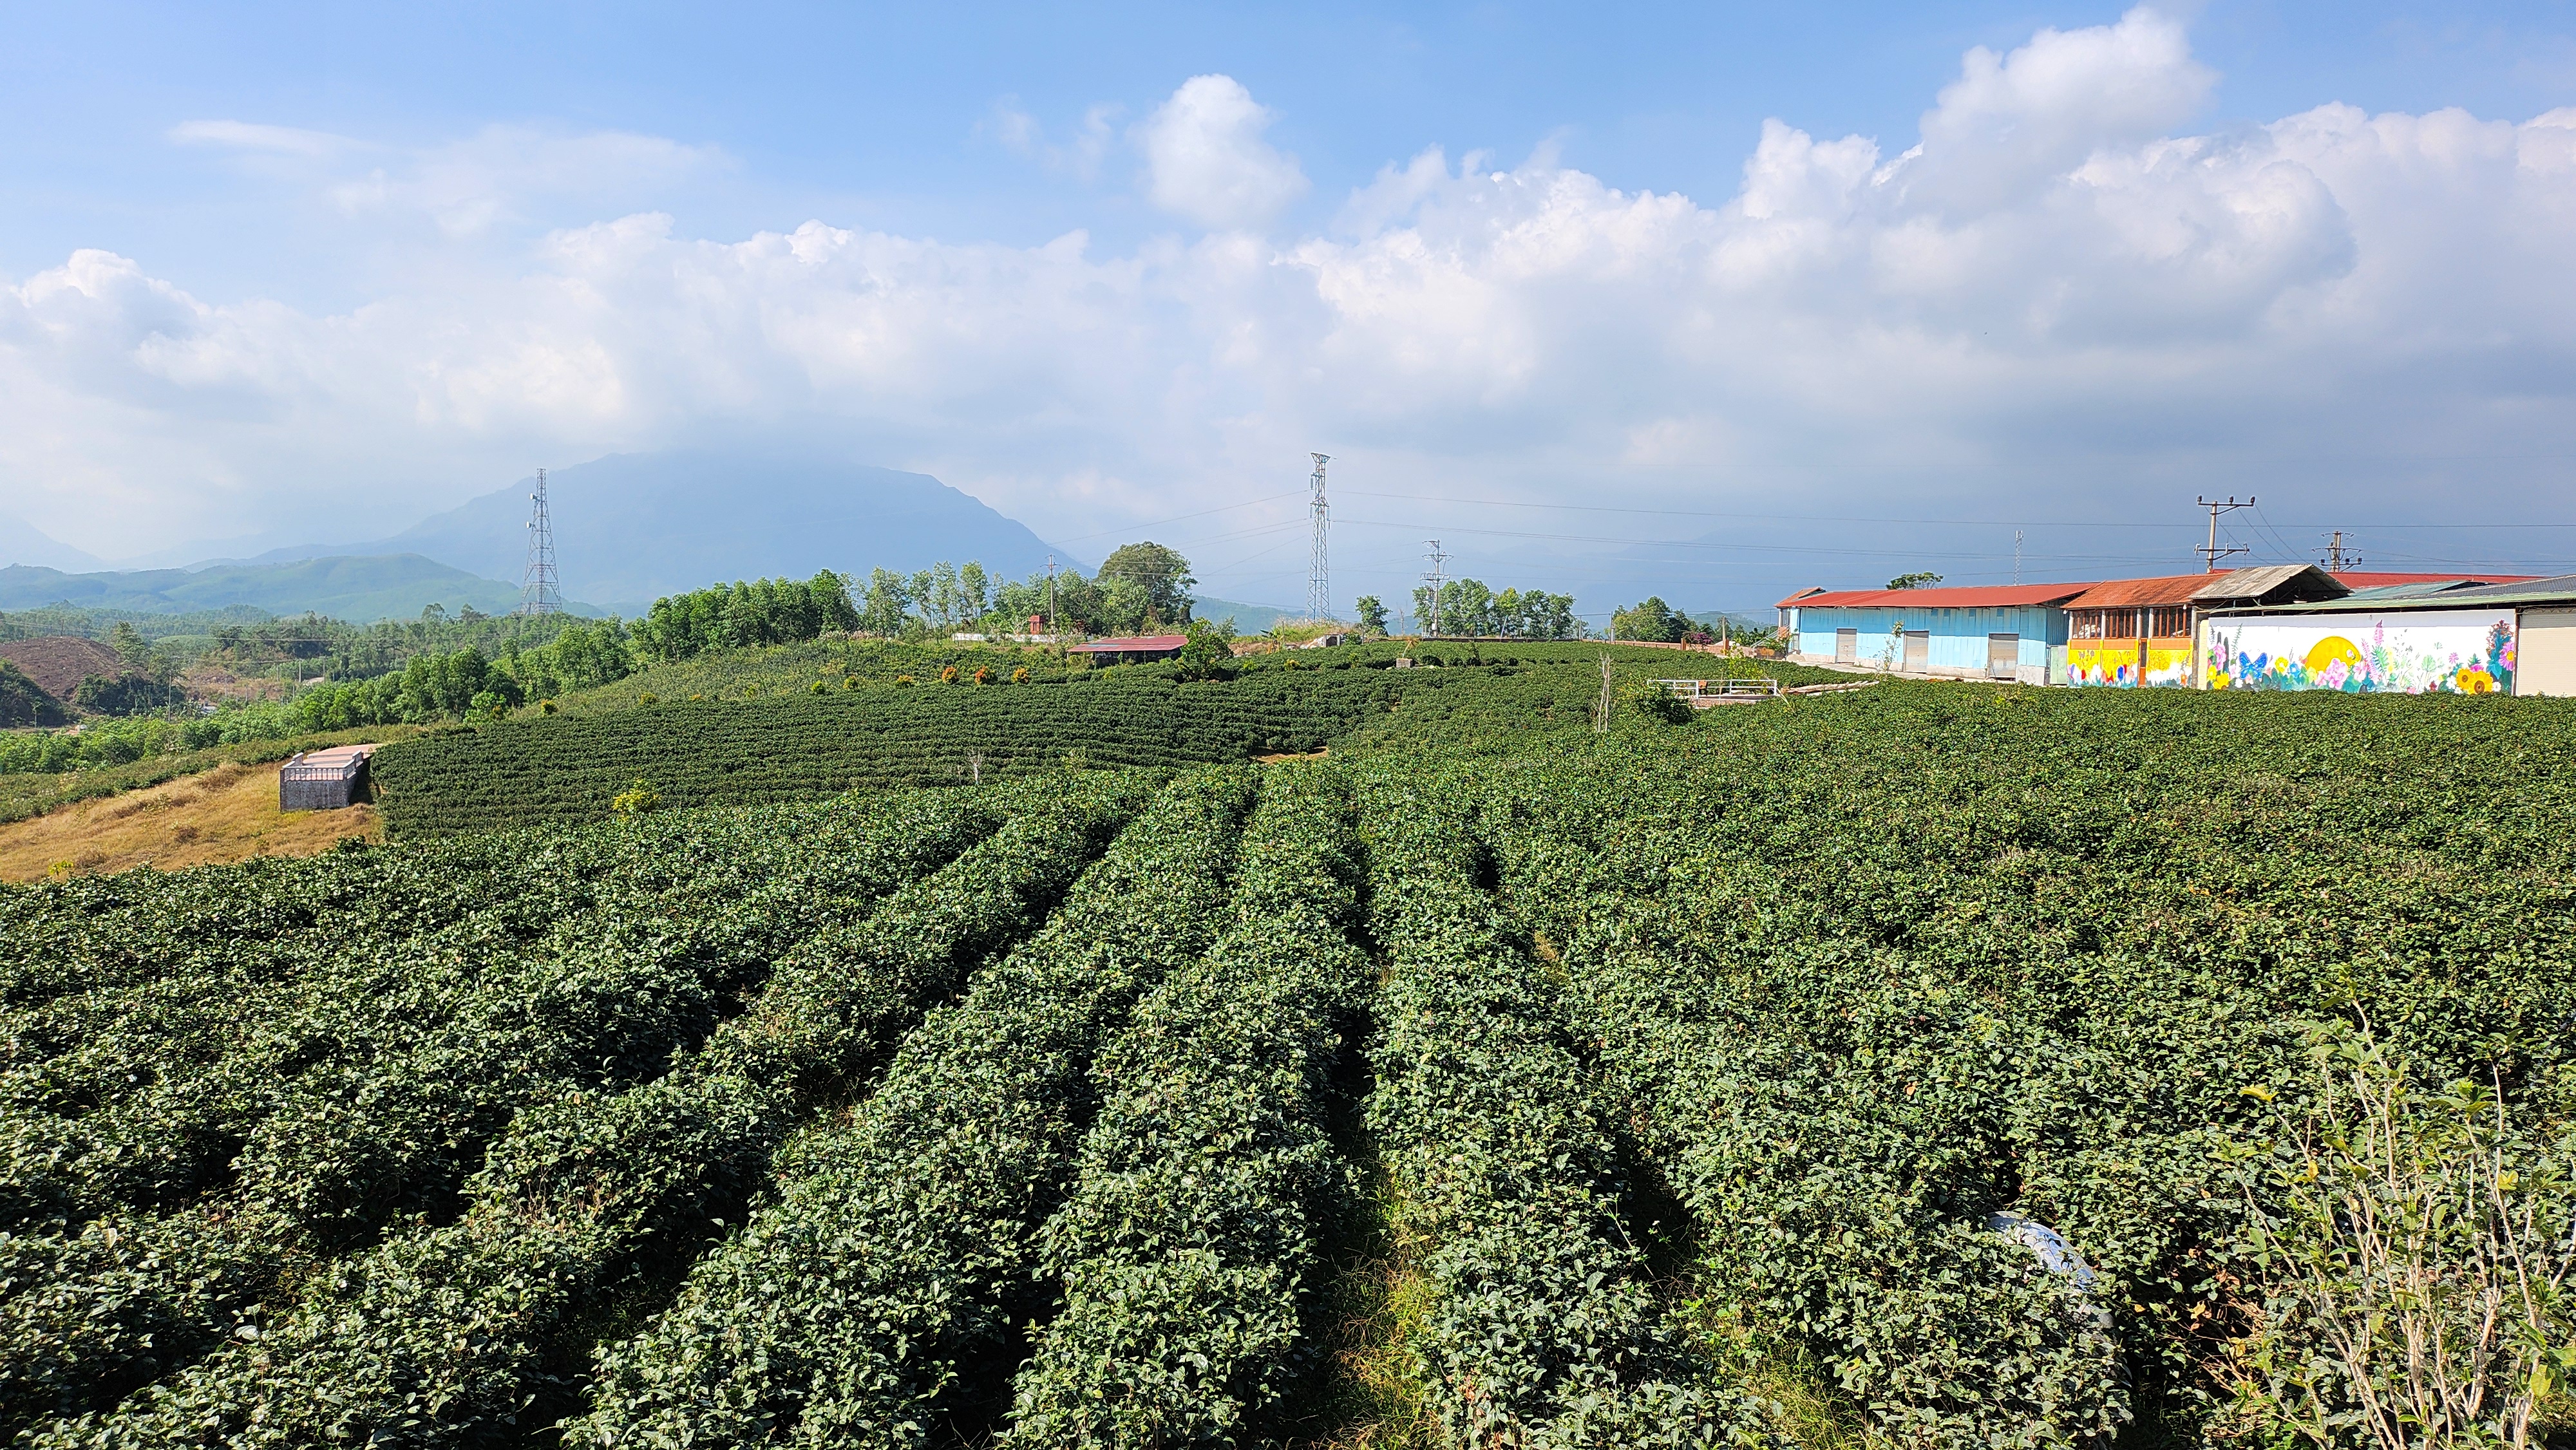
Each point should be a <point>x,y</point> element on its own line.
<point>2330,650</point>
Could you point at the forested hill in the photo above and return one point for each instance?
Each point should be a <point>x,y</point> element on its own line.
<point>633,527</point>
<point>345,588</point>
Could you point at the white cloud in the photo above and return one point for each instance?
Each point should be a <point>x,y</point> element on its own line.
<point>2012,124</point>
<point>2057,272</point>
<point>1079,157</point>
<point>1205,158</point>
<point>246,136</point>
<point>467,186</point>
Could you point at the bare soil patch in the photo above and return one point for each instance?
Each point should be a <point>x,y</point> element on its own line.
<point>59,662</point>
<point>214,682</point>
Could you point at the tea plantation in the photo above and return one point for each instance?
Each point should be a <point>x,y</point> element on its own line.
<point>1948,1066</point>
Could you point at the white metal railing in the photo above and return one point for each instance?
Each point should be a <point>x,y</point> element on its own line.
<point>1756,687</point>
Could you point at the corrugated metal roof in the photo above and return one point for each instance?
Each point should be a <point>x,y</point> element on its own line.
<point>1977,596</point>
<point>2360,579</point>
<point>1139,644</point>
<point>2560,589</point>
<point>330,763</point>
<point>2116,593</point>
<point>336,754</point>
<point>2256,582</point>
<point>2409,591</point>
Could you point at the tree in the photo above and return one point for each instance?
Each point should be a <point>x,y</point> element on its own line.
<point>130,646</point>
<point>126,693</point>
<point>22,703</point>
<point>944,600</point>
<point>888,604</point>
<point>1468,609</point>
<point>1076,606</point>
<point>1372,612</point>
<point>1914,581</point>
<point>1209,655</point>
<point>765,611</point>
<point>1160,578</point>
<point>1536,614</point>
<point>1648,620</point>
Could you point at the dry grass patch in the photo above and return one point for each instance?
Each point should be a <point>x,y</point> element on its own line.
<point>1375,1305</point>
<point>228,813</point>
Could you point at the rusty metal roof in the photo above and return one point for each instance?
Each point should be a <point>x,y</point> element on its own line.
<point>2118,593</point>
<point>1137,644</point>
<point>2253,584</point>
<point>1972,596</point>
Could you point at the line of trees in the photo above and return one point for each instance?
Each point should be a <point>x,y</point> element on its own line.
<point>449,684</point>
<point>765,611</point>
<point>1138,588</point>
<point>1467,607</point>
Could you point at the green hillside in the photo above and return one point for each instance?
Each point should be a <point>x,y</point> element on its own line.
<point>392,586</point>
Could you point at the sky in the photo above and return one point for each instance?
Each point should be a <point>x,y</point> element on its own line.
<point>1717,301</point>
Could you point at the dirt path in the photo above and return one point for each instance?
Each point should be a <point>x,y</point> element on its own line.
<point>228,813</point>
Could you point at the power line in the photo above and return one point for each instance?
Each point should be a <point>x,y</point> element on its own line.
<point>1864,519</point>
<point>1177,518</point>
<point>1813,549</point>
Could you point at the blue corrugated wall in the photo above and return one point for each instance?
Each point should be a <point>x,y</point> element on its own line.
<point>1958,636</point>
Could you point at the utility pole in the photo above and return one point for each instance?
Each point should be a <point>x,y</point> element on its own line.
<point>1319,584</point>
<point>1432,625</point>
<point>2016,556</point>
<point>539,590</point>
<point>1054,626</point>
<point>2337,558</point>
<point>2211,551</point>
<point>1601,713</point>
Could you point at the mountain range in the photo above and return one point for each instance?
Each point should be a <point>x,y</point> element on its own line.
<point>354,588</point>
<point>632,527</point>
<point>628,529</point>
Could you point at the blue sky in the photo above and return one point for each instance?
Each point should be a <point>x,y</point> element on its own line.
<point>1064,280</point>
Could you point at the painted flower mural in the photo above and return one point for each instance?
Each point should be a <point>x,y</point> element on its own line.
<point>2460,651</point>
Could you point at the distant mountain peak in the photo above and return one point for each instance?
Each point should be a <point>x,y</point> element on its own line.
<point>632,527</point>
<point>23,543</point>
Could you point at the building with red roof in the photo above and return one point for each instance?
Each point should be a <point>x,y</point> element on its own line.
<point>2122,632</point>
<point>1133,650</point>
<point>1985,631</point>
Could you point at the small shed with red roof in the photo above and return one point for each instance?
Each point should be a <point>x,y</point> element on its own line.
<point>1134,649</point>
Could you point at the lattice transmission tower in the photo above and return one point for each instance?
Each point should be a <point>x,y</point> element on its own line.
<point>540,592</point>
<point>1319,581</point>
